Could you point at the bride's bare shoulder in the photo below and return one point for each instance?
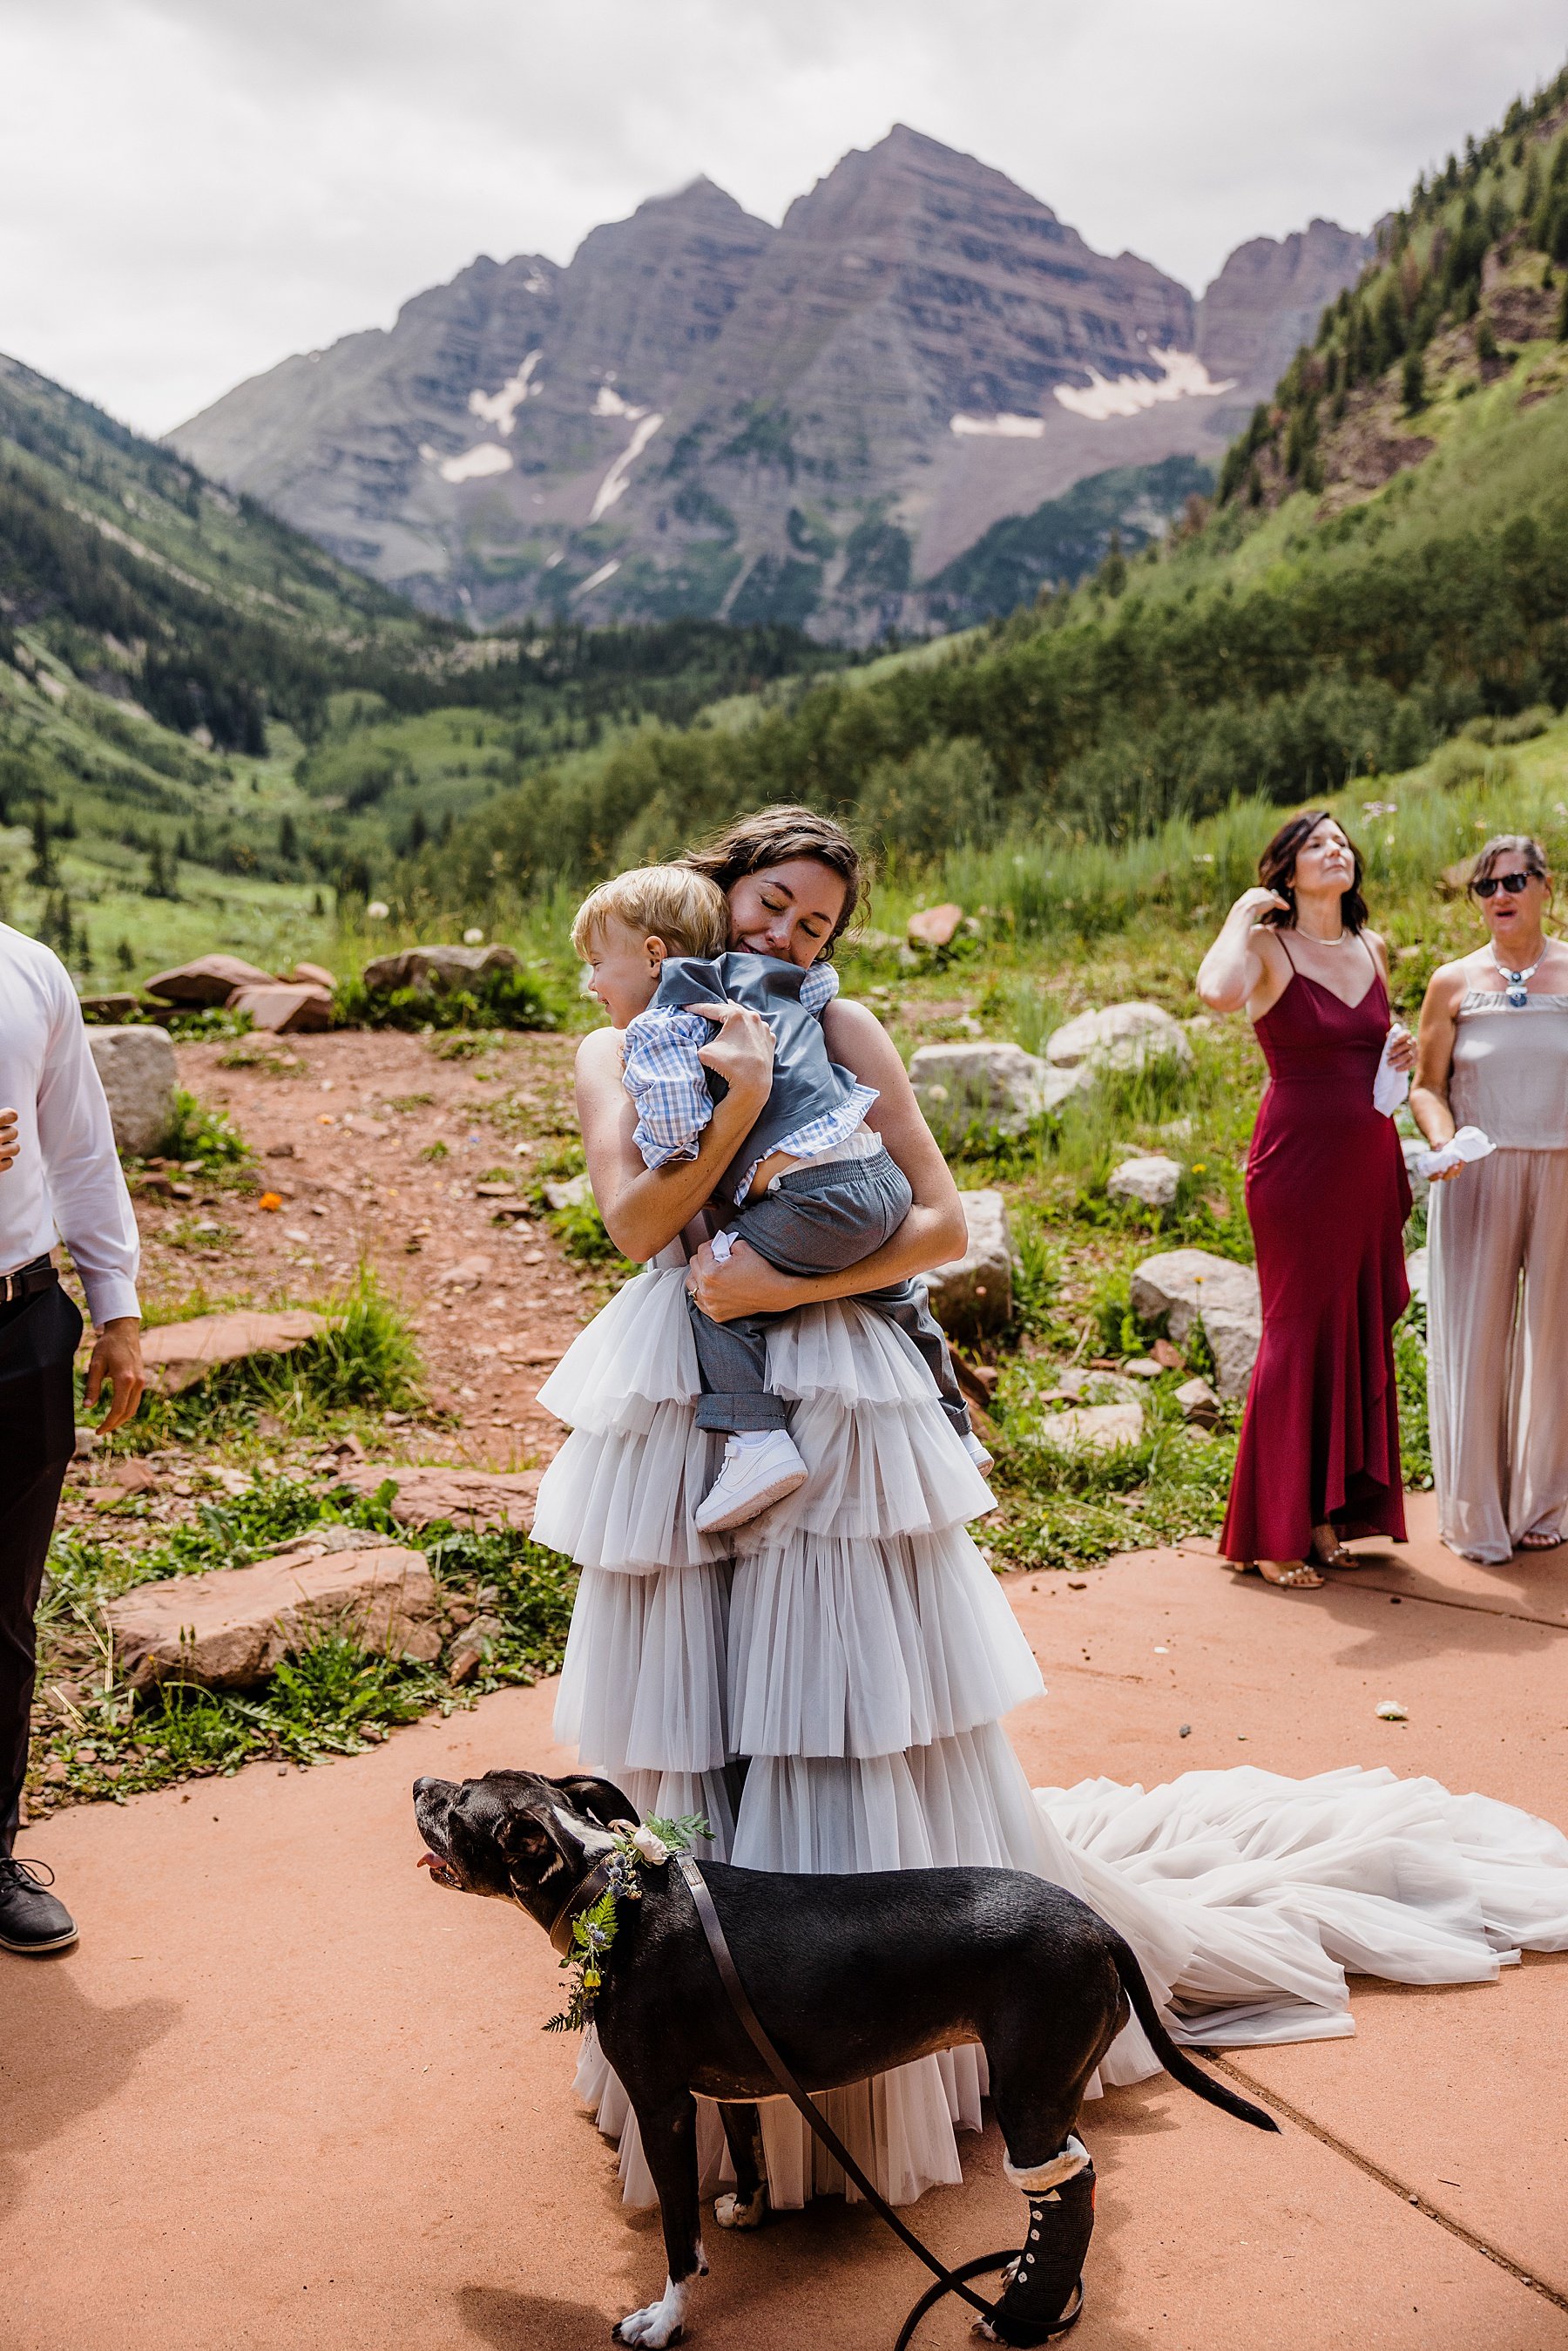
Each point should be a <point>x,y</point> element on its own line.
<point>599,1054</point>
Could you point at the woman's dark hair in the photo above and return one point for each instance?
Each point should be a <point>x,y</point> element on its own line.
<point>1277,865</point>
<point>1510,844</point>
<point>774,836</point>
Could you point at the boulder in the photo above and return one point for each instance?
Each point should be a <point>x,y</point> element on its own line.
<point>1152,1179</point>
<point>1198,1402</point>
<point>573,1191</point>
<point>1121,1037</point>
<point>284,1009</point>
<point>1191,1285</point>
<point>997,1088</point>
<point>177,1354</point>
<point>211,980</point>
<point>314,975</point>
<point>975,1293</point>
<point>139,1074</point>
<point>232,1626</point>
<point>469,1498</point>
<point>935,926</point>
<point>438,969</point>
<point>1101,1426</point>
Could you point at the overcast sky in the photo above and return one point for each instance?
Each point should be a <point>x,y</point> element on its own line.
<point>196,188</point>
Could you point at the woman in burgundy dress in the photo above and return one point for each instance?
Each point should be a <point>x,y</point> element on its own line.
<point>1327,1196</point>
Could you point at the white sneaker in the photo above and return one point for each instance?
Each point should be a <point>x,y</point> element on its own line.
<point>761,1467</point>
<point>984,1461</point>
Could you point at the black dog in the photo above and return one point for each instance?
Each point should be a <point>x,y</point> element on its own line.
<point>852,1976</point>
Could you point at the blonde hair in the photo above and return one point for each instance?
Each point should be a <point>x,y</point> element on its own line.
<point>687,912</point>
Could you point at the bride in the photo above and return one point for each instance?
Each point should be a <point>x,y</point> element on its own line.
<point>827,1684</point>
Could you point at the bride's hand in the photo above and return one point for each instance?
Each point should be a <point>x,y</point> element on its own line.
<point>744,1284</point>
<point>743,1051</point>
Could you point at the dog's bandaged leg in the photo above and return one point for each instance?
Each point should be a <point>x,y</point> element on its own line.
<point>1042,2282</point>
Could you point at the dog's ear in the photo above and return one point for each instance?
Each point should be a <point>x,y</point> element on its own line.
<point>524,1836</point>
<point>600,1798</point>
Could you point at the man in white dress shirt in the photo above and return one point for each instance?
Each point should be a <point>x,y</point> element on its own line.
<point>63,1180</point>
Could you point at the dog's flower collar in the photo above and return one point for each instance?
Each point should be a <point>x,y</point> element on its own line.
<point>585,1926</point>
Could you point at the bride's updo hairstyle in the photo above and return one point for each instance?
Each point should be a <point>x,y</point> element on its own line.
<point>776,836</point>
<point>1277,865</point>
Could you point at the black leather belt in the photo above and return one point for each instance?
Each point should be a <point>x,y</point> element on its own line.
<point>27,1280</point>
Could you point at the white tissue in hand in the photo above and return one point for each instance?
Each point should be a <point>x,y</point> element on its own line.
<point>720,1245</point>
<point>1468,1145</point>
<point>1390,1086</point>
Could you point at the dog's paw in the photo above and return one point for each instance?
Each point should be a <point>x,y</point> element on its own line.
<point>659,2325</point>
<point>731,2213</point>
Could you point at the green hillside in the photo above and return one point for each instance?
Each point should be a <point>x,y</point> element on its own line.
<point>210,732</point>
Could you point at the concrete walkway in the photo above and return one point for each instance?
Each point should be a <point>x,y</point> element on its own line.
<point>287,2093</point>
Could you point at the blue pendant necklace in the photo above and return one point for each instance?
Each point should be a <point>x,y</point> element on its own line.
<point>1516,983</point>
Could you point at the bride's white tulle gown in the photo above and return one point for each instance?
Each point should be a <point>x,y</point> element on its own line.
<point>855,1648</point>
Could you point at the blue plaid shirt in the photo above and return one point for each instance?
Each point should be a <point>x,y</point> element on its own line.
<point>669,1085</point>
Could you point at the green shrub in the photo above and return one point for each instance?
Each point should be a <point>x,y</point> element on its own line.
<point>508,999</point>
<point>208,1135</point>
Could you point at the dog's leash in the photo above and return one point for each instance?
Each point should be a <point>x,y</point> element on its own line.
<point>948,2281</point>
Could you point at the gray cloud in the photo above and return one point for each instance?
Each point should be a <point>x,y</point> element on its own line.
<point>199,187</point>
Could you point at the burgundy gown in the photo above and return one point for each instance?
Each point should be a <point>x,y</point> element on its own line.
<point>1327,1196</point>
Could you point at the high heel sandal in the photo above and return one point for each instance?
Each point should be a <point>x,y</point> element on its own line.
<point>1335,1554</point>
<point>1299,1575</point>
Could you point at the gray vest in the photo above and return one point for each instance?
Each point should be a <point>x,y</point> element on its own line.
<point>806,1084</point>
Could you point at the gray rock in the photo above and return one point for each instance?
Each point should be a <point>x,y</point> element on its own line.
<point>1189,1285</point>
<point>1412,1146</point>
<point>438,969</point>
<point>573,1193</point>
<point>1152,1179</point>
<point>1101,1426</point>
<point>139,1073</point>
<point>975,1291</point>
<point>999,1088</point>
<point>1415,1273</point>
<point>1198,1402</point>
<point>1121,1037</point>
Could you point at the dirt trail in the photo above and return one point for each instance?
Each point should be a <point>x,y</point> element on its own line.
<point>342,1126</point>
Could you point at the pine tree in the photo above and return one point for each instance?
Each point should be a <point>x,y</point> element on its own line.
<point>1486,339</point>
<point>1413,383</point>
<point>124,957</point>
<point>288,838</point>
<point>1563,315</point>
<point>41,873</point>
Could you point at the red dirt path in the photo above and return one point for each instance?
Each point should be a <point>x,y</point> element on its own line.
<point>287,2093</point>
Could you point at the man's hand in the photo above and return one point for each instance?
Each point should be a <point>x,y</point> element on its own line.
<point>7,1140</point>
<point>117,1364</point>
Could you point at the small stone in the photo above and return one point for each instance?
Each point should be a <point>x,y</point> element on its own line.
<point>139,1074</point>
<point>1153,1180</point>
<point>1185,1731</point>
<point>1168,1357</point>
<point>1390,1710</point>
<point>935,926</point>
<point>87,1442</point>
<point>575,1193</point>
<point>1144,1367</point>
<point>1199,1404</point>
<point>1078,1583</point>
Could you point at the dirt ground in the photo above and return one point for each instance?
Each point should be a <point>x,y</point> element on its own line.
<point>343,1127</point>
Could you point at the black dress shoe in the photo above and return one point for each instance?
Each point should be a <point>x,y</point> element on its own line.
<point>31,1920</point>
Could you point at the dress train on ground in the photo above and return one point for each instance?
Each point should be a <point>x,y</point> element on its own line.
<point>826,1689</point>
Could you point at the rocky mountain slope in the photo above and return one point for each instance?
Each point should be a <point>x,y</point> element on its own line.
<point>705,414</point>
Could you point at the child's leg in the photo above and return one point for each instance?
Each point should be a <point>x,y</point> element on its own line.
<point>732,1365</point>
<point>904,1302</point>
<point>817,1221</point>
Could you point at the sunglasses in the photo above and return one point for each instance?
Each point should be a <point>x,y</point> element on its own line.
<point>1512,883</point>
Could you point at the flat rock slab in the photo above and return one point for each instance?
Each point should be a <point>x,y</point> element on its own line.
<point>1099,1425</point>
<point>469,1498</point>
<point>283,1010</point>
<point>177,1354</point>
<point>209,979</point>
<point>229,1628</point>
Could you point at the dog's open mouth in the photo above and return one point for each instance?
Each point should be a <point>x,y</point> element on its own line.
<point>441,1871</point>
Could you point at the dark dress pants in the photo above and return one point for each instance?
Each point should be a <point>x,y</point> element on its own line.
<point>38,1339</point>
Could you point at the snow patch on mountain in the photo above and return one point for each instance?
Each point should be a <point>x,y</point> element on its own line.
<point>608,401</point>
<point>999,428</point>
<point>473,464</point>
<point>500,408</point>
<point>615,481</point>
<point>1184,377</point>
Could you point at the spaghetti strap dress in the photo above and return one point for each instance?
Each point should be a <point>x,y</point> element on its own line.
<point>1327,1196</point>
